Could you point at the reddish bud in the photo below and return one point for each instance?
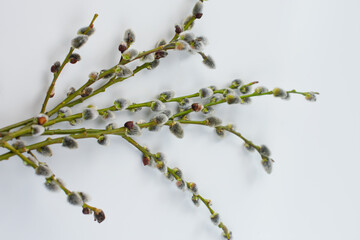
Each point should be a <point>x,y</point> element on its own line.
<point>42,120</point>
<point>55,67</point>
<point>86,92</point>
<point>86,210</point>
<point>74,58</point>
<point>73,61</point>
<point>198,15</point>
<point>178,29</point>
<point>160,54</point>
<point>146,160</point>
<point>99,215</point>
<point>196,107</point>
<point>129,125</point>
<point>122,47</point>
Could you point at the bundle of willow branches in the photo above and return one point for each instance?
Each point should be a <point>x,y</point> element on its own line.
<point>201,102</point>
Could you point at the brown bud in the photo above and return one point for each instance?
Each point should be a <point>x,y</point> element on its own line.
<point>129,125</point>
<point>73,61</point>
<point>178,29</point>
<point>160,54</point>
<point>122,47</point>
<point>55,67</point>
<point>41,120</point>
<point>196,107</point>
<point>86,210</point>
<point>99,215</point>
<point>71,91</point>
<point>198,15</point>
<point>86,92</point>
<point>74,58</point>
<point>146,160</point>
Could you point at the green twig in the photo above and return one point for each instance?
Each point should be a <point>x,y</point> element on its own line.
<point>177,177</point>
<point>57,74</point>
<point>16,152</point>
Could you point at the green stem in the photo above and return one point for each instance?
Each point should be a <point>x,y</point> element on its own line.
<point>254,94</point>
<point>57,74</point>
<point>33,165</point>
<point>22,131</point>
<point>207,204</point>
<point>178,99</point>
<point>172,172</point>
<point>27,130</point>
<point>74,133</point>
<point>15,125</point>
<point>53,178</point>
<point>193,122</point>
<point>16,152</point>
<point>117,80</point>
<point>135,144</point>
<point>77,93</point>
<point>142,54</point>
<point>112,81</point>
<point>231,130</point>
<point>66,190</point>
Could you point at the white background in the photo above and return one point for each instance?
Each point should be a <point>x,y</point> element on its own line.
<point>313,192</point>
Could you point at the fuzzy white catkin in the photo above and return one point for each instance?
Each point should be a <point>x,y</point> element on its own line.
<point>148,58</point>
<point>79,41</point>
<point>37,130</point>
<point>43,170</point>
<point>69,142</point>
<point>74,198</point>
<point>209,62</point>
<point>167,95</point>
<point>157,106</point>
<point>108,115</point>
<point>52,185</point>
<point>213,121</point>
<point>90,114</point>
<point>167,112</point>
<point>130,54</point>
<point>177,130</point>
<point>267,164</point>
<point>66,111</point>
<point>123,71</point>
<point>161,119</point>
<point>198,8</point>
<point>121,103</point>
<point>45,151</point>
<point>205,92</point>
<point>104,140</point>
<point>135,130</point>
<point>19,144</point>
<point>129,36</point>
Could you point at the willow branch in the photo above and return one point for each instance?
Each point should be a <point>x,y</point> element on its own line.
<point>172,171</point>
<point>57,74</point>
